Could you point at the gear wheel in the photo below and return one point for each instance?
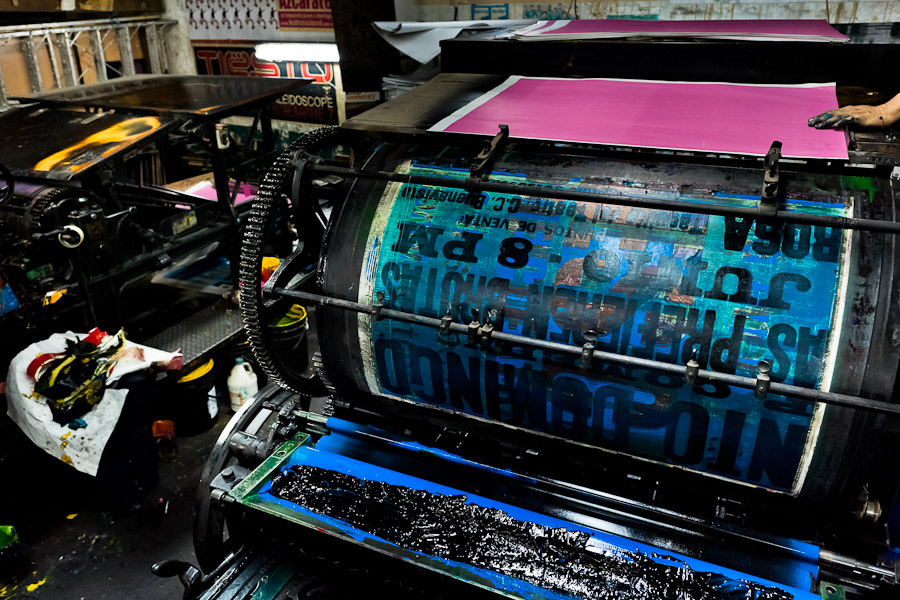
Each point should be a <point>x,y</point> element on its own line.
<point>271,190</point>
<point>38,217</point>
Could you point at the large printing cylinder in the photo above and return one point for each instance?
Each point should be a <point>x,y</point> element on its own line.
<point>813,301</point>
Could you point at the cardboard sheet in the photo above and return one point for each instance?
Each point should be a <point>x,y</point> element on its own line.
<point>811,30</point>
<point>722,118</point>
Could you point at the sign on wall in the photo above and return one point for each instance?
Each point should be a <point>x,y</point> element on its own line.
<point>266,20</point>
<point>317,102</point>
<point>305,15</point>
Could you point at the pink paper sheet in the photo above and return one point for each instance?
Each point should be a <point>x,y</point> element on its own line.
<point>206,189</point>
<point>784,27</point>
<point>705,117</point>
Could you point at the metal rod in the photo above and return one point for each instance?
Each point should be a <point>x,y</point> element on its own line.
<point>153,49</point>
<point>123,38</point>
<point>4,99</point>
<point>793,391</point>
<point>54,66</point>
<point>833,558</point>
<point>22,32</point>
<point>653,203</point>
<point>99,58</point>
<point>64,46</point>
<point>79,25</point>
<point>163,48</point>
<point>31,64</point>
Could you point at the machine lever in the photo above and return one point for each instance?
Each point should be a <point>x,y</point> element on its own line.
<point>193,580</point>
<point>474,326</point>
<point>587,350</point>
<point>761,389</point>
<point>485,331</point>
<point>486,156</point>
<point>189,575</point>
<point>692,368</point>
<point>771,176</point>
<point>379,304</point>
<point>446,321</point>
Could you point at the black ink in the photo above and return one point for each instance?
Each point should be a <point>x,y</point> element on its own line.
<point>698,426</point>
<point>774,456</point>
<point>796,240</point>
<point>450,528</point>
<point>731,442</point>
<point>514,252</point>
<point>744,292</point>
<point>464,249</point>
<point>736,232</point>
<point>776,289</point>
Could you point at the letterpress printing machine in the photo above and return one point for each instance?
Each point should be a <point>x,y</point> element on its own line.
<point>550,370</point>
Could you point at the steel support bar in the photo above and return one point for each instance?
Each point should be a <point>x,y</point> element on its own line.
<point>79,25</point>
<point>66,59</point>
<point>832,558</point>
<point>99,57</point>
<point>4,99</point>
<point>653,203</point>
<point>153,49</point>
<point>793,391</point>
<point>54,66</point>
<point>31,64</point>
<point>24,31</point>
<point>123,38</point>
<point>163,47</point>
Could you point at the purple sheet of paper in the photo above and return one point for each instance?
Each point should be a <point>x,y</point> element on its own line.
<point>774,27</point>
<point>705,117</point>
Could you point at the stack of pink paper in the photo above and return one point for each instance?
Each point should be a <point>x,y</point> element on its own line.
<point>759,30</point>
<point>720,118</point>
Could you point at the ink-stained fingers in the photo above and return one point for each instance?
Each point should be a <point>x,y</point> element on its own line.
<point>826,119</point>
<point>835,119</point>
<point>831,119</point>
<point>859,116</point>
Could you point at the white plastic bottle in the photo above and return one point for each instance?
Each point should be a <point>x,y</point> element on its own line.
<point>241,384</point>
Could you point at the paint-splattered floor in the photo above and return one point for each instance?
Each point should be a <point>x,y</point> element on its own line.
<point>79,553</point>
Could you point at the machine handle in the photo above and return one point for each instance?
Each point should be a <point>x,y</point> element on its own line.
<point>189,575</point>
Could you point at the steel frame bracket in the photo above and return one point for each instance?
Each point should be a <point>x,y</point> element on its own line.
<point>301,160</point>
<point>771,175</point>
<point>378,306</point>
<point>446,321</point>
<point>763,380</point>
<point>473,329</point>
<point>587,350</point>
<point>488,153</point>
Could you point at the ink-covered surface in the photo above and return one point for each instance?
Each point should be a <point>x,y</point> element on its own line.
<point>326,455</point>
<point>654,284</point>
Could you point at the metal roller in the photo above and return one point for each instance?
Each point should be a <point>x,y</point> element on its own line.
<point>756,306</point>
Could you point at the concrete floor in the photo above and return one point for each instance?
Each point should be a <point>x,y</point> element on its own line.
<point>75,552</point>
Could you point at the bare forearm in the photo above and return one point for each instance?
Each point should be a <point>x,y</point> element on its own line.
<point>891,110</point>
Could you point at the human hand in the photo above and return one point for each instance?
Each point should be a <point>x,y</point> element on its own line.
<point>864,116</point>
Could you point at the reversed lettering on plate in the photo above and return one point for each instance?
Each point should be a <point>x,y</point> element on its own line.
<point>654,284</point>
